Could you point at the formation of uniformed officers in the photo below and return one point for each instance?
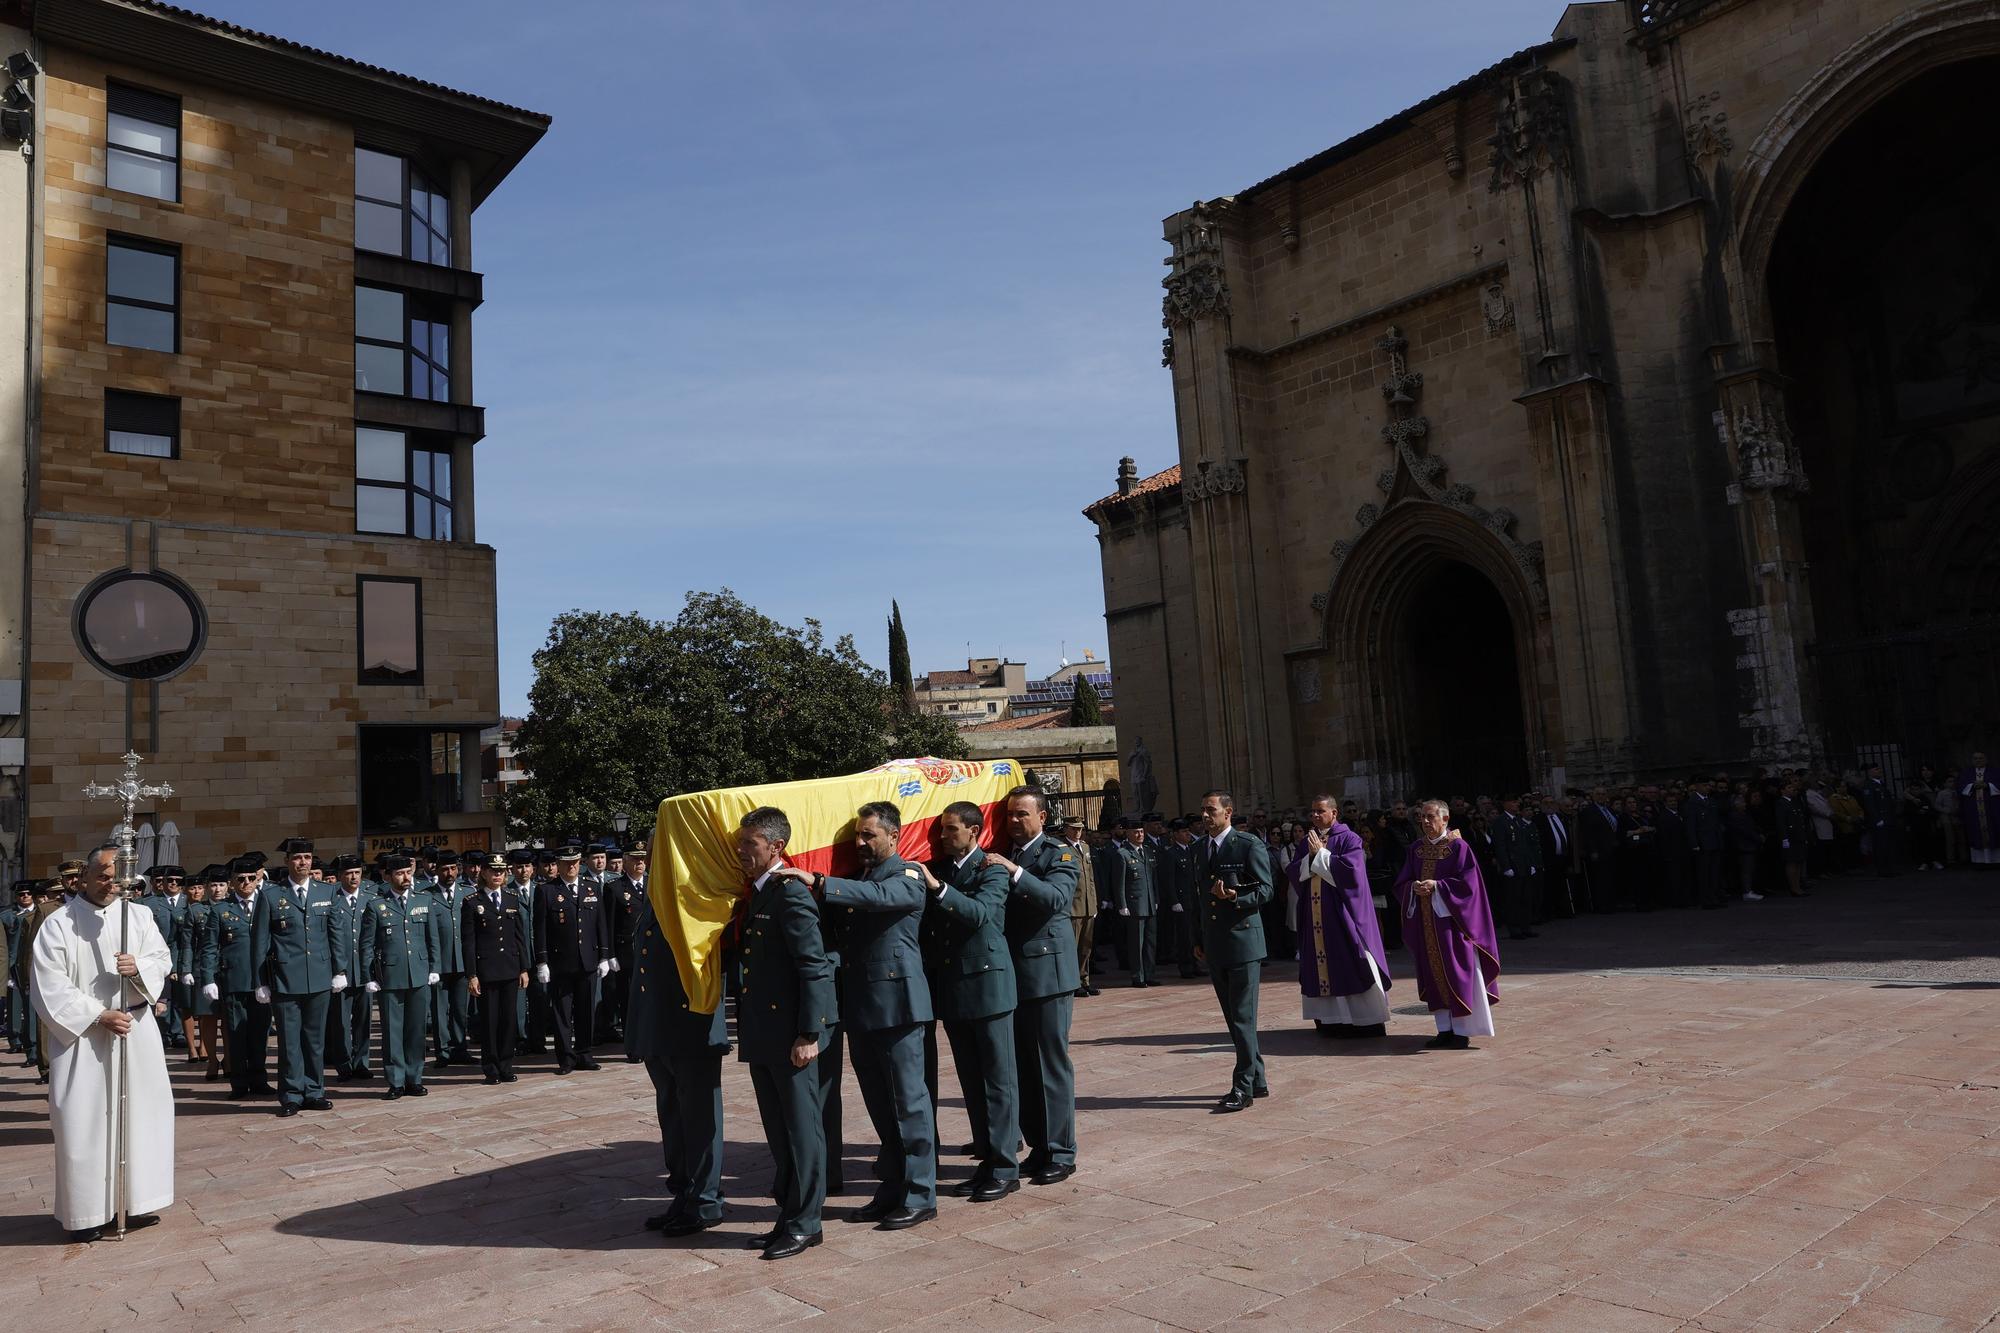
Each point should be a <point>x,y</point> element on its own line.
<point>344,959</point>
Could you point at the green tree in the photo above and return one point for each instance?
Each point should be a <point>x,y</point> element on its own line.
<point>1085,710</point>
<point>626,710</point>
<point>901,678</point>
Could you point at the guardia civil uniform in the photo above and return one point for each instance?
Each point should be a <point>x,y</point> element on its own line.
<point>622,896</point>
<point>1232,937</point>
<point>786,994</point>
<point>451,998</point>
<point>305,953</point>
<point>400,943</point>
<point>239,956</point>
<point>1135,897</point>
<point>1045,982</point>
<point>971,975</point>
<point>348,1014</point>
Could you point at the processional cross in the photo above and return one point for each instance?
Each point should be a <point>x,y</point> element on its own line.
<point>131,791</point>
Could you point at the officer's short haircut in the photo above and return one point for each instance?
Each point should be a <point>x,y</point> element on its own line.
<point>1030,790</point>
<point>968,814</point>
<point>885,812</point>
<point>769,823</point>
<point>1222,798</point>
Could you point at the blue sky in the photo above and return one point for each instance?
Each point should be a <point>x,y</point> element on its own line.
<point>817,300</point>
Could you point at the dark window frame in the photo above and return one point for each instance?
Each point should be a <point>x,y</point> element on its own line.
<point>431,816</point>
<point>174,435</point>
<point>410,177</point>
<point>120,240</point>
<point>414,443</point>
<point>414,355</point>
<point>135,97</point>
<point>80,608</point>
<point>362,675</point>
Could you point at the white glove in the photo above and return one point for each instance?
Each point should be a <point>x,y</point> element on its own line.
<point>1177,907</point>
<point>209,992</point>
<point>372,987</point>
<point>339,982</point>
<point>614,965</point>
<point>542,973</point>
<point>1786,844</point>
<point>432,980</point>
<point>1124,911</point>
<point>603,967</point>
<point>1508,873</point>
<point>263,995</point>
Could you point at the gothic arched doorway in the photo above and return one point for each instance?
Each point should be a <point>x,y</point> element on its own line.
<point>1884,289</point>
<point>1459,686</point>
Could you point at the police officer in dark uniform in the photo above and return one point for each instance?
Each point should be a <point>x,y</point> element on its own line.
<point>885,1005</point>
<point>239,963</point>
<point>531,1006</point>
<point>572,950</point>
<point>1233,875</point>
<point>783,1011</point>
<point>1136,899</point>
<point>348,1014</point>
<point>1043,873</point>
<point>496,966</point>
<point>622,896</point>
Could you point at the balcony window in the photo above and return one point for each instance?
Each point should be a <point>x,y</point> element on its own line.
<point>400,486</point>
<point>397,211</point>
<point>399,347</point>
<point>142,148</point>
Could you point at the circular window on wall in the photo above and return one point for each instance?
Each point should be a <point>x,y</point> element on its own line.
<point>139,626</point>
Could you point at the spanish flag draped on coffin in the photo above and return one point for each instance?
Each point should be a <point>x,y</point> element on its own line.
<point>696,883</point>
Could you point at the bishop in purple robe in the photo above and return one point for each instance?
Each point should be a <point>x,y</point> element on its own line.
<point>1343,969</point>
<point>1979,811</point>
<point>1449,926</point>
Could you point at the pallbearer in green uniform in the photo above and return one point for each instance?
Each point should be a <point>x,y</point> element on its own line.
<point>885,1005</point>
<point>304,953</point>
<point>783,1010</point>
<point>1233,876</point>
<point>682,1051</point>
<point>239,961</point>
<point>451,998</point>
<point>972,989</point>
<point>348,1012</point>
<point>1042,872</point>
<point>399,948</point>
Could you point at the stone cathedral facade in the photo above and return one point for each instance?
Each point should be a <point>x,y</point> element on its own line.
<point>1629,408</point>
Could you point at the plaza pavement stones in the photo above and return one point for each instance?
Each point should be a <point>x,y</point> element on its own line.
<point>1673,1130</point>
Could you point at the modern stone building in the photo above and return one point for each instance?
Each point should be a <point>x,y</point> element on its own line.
<point>1630,407</point>
<point>253,545</point>
<point>980,693</point>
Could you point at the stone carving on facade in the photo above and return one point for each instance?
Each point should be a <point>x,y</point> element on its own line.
<point>1759,439</point>
<point>1305,681</point>
<point>1531,132</point>
<point>1213,479</point>
<point>1498,309</point>
<point>1196,288</point>
<point>1406,433</point>
<point>1707,130</point>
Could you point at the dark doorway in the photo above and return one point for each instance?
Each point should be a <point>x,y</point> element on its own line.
<point>1461,687</point>
<point>1885,289</point>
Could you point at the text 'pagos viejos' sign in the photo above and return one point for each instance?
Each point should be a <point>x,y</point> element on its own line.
<point>696,881</point>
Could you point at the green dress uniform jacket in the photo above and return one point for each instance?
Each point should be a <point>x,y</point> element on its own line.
<point>1233,939</point>
<point>972,987</point>
<point>347,1022</point>
<point>1045,982</point>
<point>304,948</point>
<point>201,956</point>
<point>1135,897</point>
<point>451,997</point>
<point>238,972</point>
<point>787,993</point>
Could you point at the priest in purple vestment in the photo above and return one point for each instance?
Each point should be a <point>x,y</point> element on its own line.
<point>1448,924</point>
<point>1343,970</point>
<point>1979,811</point>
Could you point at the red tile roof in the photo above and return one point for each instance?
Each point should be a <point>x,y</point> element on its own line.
<point>1035,722</point>
<point>1159,481</point>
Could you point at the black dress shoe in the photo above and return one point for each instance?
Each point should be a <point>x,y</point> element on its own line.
<point>1365,1031</point>
<point>1080,992</point>
<point>965,1188</point>
<point>687,1225</point>
<point>287,1109</point>
<point>316,1104</point>
<point>492,1079</point>
<point>1053,1175</point>
<point>564,1069</point>
<point>84,1236</point>
<point>1235,1101</point>
<point>1260,1092</point>
<point>789,1244</point>
<point>510,1077</point>
<point>994,1189</point>
<point>873,1211</point>
<point>1441,1042</point>
<point>1459,1042</point>
<point>902,1219</point>
<point>392,1094</point>
<point>265,1090</point>
<point>441,1063</point>
<point>658,1220</point>
<point>588,1064</point>
<point>761,1240</point>
<point>417,1090</point>
<point>238,1094</point>
<point>1135,983</point>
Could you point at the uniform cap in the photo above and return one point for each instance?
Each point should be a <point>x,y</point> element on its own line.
<point>247,864</point>
<point>167,872</point>
<point>520,856</point>
<point>295,846</point>
<point>391,861</point>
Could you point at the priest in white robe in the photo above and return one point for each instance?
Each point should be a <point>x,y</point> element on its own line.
<point>90,995</point>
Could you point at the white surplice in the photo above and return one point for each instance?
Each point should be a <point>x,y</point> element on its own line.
<point>75,980</point>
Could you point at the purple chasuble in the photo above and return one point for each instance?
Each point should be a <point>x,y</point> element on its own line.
<point>1336,922</point>
<point>1457,952</point>
<point>1979,808</point>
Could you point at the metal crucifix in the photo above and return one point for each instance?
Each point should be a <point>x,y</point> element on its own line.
<point>131,791</point>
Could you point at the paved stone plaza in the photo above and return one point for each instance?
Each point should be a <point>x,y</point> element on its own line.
<point>1807,1135</point>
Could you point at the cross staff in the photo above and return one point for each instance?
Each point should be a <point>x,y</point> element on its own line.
<point>131,791</point>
